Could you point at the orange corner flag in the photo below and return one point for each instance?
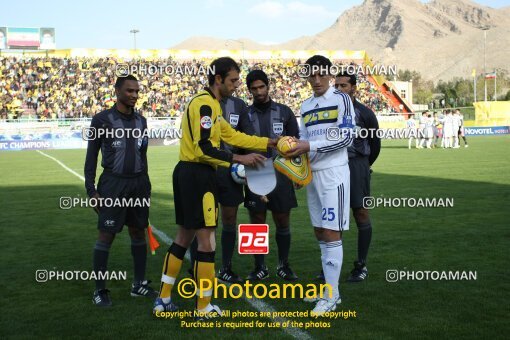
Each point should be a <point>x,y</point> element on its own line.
<point>153,243</point>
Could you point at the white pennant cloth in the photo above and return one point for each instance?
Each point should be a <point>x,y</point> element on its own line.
<point>262,179</point>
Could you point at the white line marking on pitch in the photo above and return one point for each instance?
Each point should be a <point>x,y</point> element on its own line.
<point>258,304</point>
<point>62,165</point>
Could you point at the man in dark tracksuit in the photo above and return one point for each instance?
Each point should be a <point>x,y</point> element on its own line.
<point>271,119</point>
<point>230,193</point>
<point>362,154</point>
<point>125,177</point>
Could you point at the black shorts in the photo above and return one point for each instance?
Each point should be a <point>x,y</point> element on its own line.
<point>360,180</point>
<point>135,190</point>
<point>195,191</point>
<point>230,194</point>
<point>281,199</point>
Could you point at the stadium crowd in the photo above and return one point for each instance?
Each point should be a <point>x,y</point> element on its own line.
<point>81,87</point>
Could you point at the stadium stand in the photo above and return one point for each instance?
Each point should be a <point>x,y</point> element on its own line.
<point>54,87</point>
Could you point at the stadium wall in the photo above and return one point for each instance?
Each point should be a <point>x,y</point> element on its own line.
<point>492,113</point>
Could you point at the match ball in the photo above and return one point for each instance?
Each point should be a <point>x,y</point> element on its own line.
<point>238,174</point>
<point>285,144</point>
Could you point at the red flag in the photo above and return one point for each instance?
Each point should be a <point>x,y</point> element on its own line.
<point>153,243</point>
<point>491,75</point>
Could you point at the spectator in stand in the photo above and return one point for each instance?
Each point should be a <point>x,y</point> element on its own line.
<point>80,87</point>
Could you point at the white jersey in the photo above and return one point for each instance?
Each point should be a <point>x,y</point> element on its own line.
<point>429,128</point>
<point>423,121</point>
<point>327,124</point>
<point>448,126</point>
<point>411,124</point>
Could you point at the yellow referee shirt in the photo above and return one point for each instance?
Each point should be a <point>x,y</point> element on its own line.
<point>203,128</point>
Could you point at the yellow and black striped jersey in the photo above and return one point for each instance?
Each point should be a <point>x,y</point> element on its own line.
<point>203,128</point>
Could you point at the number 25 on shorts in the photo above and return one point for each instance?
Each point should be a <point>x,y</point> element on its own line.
<point>328,214</point>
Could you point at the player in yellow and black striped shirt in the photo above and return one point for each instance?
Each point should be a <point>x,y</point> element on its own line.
<point>194,181</point>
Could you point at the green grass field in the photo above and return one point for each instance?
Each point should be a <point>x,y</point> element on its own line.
<point>473,235</point>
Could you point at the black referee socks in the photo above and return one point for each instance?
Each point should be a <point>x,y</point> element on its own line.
<point>101,252</point>
<point>139,252</point>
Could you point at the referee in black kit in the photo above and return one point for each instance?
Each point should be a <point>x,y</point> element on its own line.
<point>230,193</point>
<point>362,154</point>
<point>272,120</point>
<point>125,176</point>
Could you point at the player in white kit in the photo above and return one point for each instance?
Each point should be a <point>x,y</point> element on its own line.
<point>421,130</point>
<point>448,129</point>
<point>326,131</point>
<point>435,127</point>
<point>429,131</point>
<point>411,129</point>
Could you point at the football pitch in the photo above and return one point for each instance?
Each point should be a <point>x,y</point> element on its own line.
<point>472,235</point>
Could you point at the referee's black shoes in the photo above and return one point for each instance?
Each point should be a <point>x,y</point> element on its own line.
<point>101,298</point>
<point>286,273</point>
<point>226,274</point>
<point>142,288</point>
<point>260,273</point>
<point>359,273</point>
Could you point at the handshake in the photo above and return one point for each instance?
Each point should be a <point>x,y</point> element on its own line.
<point>289,147</point>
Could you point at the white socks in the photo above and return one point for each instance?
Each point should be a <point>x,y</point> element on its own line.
<point>332,258</point>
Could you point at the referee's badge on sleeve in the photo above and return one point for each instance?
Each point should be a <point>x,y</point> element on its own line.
<point>278,128</point>
<point>206,122</point>
<point>142,142</point>
<point>234,120</point>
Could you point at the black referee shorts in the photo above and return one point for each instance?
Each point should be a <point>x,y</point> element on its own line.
<point>195,199</point>
<point>135,190</point>
<point>360,180</point>
<point>281,199</point>
<point>230,194</point>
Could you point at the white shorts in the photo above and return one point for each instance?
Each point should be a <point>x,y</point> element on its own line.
<point>448,133</point>
<point>328,198</point>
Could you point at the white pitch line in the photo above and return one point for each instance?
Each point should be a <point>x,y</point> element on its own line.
<point>258,304</point>
<point>62,165</point>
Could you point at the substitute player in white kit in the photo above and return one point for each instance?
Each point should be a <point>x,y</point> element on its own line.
<point>448,130</point>
<point>421,130</point>
<point>326,131</point>
<point>411,128</point>
<point>429,131</point>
